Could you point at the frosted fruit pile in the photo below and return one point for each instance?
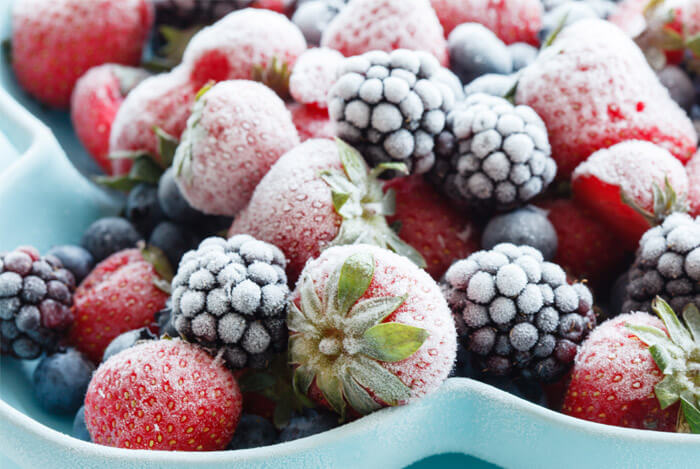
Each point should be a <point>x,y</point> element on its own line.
<point>334,206</point>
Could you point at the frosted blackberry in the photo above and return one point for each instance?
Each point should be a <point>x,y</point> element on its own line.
<point>493,156</point>
<point>36,295</point>
<point>231,296</point>
<point>516,313</point>
<point>391,106</point>
<point>667,264</point>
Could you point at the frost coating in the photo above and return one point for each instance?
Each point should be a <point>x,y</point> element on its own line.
<point>312,76</point>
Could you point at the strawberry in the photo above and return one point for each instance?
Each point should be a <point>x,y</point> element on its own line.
<point>430,224</point>
<point>54,42</point>
<point>313,75</point>
<point>586,248</point>
<point>693,170</point>
<point>119,295</point>
<point>311,122</point>
<point>366,25</point>
<point>163,395</point>
<point>319,194</point>
<point>95,101</point>
<point>631,186</point>
<point>368,329</point>
<point>236,132</point>
<point>638,371</point>
<point>511,20</point>
<point>594,88</point>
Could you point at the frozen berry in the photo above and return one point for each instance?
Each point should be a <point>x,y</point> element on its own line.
<point>60,381</point>
<point>109,235</point>
<point>80,430</point>
<point>143,208</point>
<point>475,51</point>
<point>76,259</point>
<point>310,422</point>
<point>253,431</point>
<point>125,340</point>
<point>525,226</point>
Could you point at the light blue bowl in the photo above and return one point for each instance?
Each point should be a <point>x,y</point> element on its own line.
<point>45,200</point>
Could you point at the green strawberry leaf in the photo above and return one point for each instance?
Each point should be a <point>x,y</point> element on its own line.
<point>691,412</point>
<point>389,203</point>
<point>353,164</point>
<point>330,386</point>
<point>144,169</point>
<point>203,90</point>
<point>297,322</point>
<point>381,168</point>
<point>693,43</point>
<point>358,398</point>
<point>555,32</point>
<point>402,248</point>
<point>301,347</point>
<point>372,311</point>
<point>392,341</point>
<point>303,377</point>
<point>356,274</point>
<point>311,304</point>
<point>668,391</point>
<point>274,75</point>
<point>679,335</point>
<point>157,258</point>
<point>342,191</point>
<point>378,380</point>
<point>166,146</point>
<point>691,316</point>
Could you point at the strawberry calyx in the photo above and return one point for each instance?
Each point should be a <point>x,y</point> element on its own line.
<point>164,271</point>
<point>677,354</point>
<point>338,341</point>
<point>275,75</point>
<point>359,199</point>
<point>665,202</point>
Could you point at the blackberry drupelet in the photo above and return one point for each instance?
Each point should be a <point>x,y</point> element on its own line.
<point>667,264</point>
<point>516,313</point>
<point>231,296</point>
<point>36,294</point>
<point>391,107</point>
<point>493,156</point>
<point>185,13</point>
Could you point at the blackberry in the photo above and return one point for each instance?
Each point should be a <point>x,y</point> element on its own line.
<point>493,156</point>
<point>36,295</point>
<point>231,296</point>
<point>185,13</point>
<point>667,264</point>
<point>516,313</point>
<point>77,259</point>
<point>391,107</point>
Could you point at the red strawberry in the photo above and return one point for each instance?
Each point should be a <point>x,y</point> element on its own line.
<point>236,132</point>
<point>586,248</point>
<point>693,170</point>
<point>54,42</point>
<point>280,6</point>
<point>431,225</point>
<point>163,395</point>
<point>366,25</point>
<point>634,170</point>
<point>119,295</point>
<point>313,75</point>
<point>318,194</point>
<point>633,370</point>
<point>94,104</point>
<point>311,122</point>
<point>368,329</point>
<point>593,88</point>
<point>511,20</point>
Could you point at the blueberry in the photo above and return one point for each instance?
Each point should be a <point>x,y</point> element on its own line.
<point>172,201</point>
<point>602,8</point>
<point>126,340</point>
<point>528,225</point>
<point>312,18</point>
<point>61,380</point>
<point>475,51</point>
<point>574,11</point>
<point>173,239</point>
<point>310,422</point>
<point>679,86</point>
<point>76,259</point>
<point>80,430</point>
<point>253,431</point>
<point>491,84</point>
<point>522,55</point>
<point>109,235</point>
<point>143,208</point>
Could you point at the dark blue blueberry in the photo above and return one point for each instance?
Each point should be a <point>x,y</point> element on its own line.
<point>173,239</point>
<point>528,225</point>
<point>76,259</point>
<point>476,51</point>
<point>143,208</point>
<point>491,84</point>
<point>312,18</point>
<point>61,380</point>
<point>80,430</point>
<point>172,201</point>
<point>253,431</point>
<point>679,86</point>
<point>573,11</point>
<point>310,422</point>
<point>109,235</point>
<point>522,55</point>
<point>127,340</point>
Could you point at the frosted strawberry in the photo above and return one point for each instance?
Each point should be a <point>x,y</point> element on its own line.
<point>368,329</point>
<point>232,47</point>
<point>163,395</point>
<point>693,170</point>
<point>320,194</point>
<point>281,6</point>
<point>631,186</point>
<point>511,20</point>
<point>163,101</point>
<point>96,99</point>
<point>311,122</point>
<point>313,75</point>
<point>54,42</point>
<point>636,371</point>
<point>366,25</point>
<point>430,224</point>
<point>594,88</point>
<point>236,132</point>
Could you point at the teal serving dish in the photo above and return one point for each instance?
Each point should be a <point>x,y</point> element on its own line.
<point>46,198</point>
